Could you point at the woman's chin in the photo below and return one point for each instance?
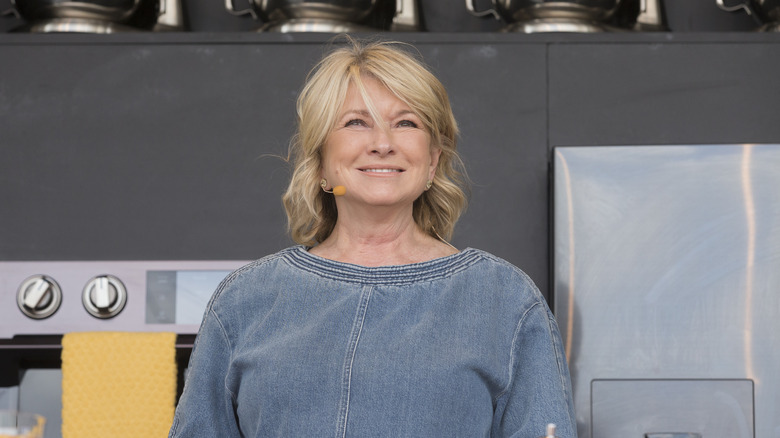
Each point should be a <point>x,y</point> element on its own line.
<point>384,199</point>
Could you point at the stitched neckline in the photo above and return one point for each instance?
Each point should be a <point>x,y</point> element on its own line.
<point>388,275</point>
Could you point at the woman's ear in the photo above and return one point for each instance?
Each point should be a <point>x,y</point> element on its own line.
<point>435,154</point>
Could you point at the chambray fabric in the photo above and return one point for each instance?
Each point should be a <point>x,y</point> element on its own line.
<point>294,345</point>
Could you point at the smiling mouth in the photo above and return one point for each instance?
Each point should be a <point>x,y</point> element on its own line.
<point>381,170</point>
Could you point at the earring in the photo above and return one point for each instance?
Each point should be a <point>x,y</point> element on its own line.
<point>323,183</point>
<point>428,184</point>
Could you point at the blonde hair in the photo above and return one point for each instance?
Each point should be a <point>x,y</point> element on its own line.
<point>311,213</point>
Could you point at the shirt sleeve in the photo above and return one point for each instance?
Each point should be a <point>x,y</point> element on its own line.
<point>539,390</point>
<point>206,407</point>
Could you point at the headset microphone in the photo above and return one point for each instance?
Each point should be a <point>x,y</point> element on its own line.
<point>337,190</point>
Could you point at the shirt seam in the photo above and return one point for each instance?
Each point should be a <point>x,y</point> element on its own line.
<point>360,318</point>
<point>227,281</point>
<point>233,397</point>
<point>512,355</point>
<point>559,359</point>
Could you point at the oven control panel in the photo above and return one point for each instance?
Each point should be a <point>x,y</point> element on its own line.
<point>39,298</point>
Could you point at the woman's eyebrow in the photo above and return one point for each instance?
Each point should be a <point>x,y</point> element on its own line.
<point>367,113</point>
<point>359,112</point>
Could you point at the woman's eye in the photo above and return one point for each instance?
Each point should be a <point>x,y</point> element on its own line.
<point>407,124</point>
<point>355,122</point>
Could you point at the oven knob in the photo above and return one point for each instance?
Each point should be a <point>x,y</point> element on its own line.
<point>39,297</point>
<point>104,296</point>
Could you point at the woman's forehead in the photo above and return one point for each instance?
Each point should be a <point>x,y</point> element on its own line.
<point>373,89</point>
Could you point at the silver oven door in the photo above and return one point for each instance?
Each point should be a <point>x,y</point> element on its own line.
<point>667,288</point>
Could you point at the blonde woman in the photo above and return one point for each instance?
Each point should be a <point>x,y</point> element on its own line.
<point>375,325</point>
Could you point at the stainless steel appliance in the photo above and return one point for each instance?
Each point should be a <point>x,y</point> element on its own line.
<point>332,16</point>
<point>98,16</point>
<point>765,12</point>
<point>42,300</point>
<point>666,288</point>
<point>582,16</point>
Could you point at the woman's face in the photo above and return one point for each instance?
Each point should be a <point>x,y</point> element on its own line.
<point>382,166</point>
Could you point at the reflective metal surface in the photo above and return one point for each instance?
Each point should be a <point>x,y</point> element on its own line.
<point>99,16</point>
<point>693,408</point>
<point>667,267</point>
<point>515,10</point>
<point>532,16</point>
<point>332,16</point>
<point>109,295</point>
<point>342,10</point>
<point>766,12</point>
<point>557,25</point>
<point>651,16</point>
<point>314,25</point>
<point>108,10</point>
<point>407,16</point>
<point>74,25</point>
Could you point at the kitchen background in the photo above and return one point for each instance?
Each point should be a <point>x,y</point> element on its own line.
<point>165,147</point>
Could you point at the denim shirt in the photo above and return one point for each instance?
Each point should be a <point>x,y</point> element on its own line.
<point>296,345</point>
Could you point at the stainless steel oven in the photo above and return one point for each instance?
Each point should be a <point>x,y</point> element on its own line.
<point>40,301</point>
<point>666,288</point>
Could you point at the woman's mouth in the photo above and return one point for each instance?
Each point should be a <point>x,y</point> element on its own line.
<point>381,170</point>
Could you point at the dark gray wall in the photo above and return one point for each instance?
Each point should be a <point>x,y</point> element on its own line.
<point>170,151</point>
<point>155,146</point>
<point>693,92</point>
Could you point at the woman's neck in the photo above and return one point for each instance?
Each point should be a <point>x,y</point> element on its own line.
<point>391,241</point>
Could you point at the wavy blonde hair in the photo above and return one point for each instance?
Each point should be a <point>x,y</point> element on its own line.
<point>311,213</point>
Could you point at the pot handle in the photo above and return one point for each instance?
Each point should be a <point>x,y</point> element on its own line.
<point>12,11</point>
<point>742,5</point>
<point>405,17</point>
<point>473,10</point>
<point>231,8</point>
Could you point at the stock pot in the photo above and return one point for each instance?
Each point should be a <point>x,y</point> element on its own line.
<point>350,11</point>
<point>103,10</point>
<point>519,10</point>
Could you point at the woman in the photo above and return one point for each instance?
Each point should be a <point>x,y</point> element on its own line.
<point>375,325</point>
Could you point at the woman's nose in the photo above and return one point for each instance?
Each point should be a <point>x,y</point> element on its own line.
<point>382,144</point>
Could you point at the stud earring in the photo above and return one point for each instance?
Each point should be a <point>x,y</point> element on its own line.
<point>428,184</point>
<point>323,183</point>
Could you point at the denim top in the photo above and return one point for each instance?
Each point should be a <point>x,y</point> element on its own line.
<point>296,345</point>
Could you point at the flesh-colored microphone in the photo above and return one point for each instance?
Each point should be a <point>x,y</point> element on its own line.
<point>336,190</point>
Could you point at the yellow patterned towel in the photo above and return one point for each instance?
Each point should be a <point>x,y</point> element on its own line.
<point>118,384</point>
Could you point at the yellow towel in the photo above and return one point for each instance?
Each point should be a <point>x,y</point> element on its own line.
<point>118,384</point>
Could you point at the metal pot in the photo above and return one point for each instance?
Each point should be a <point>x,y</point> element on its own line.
<point>116,11</point>
<point>513,11</point>
<point>766,12</point>
<point>339,10</point>
<point>350,11</point>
